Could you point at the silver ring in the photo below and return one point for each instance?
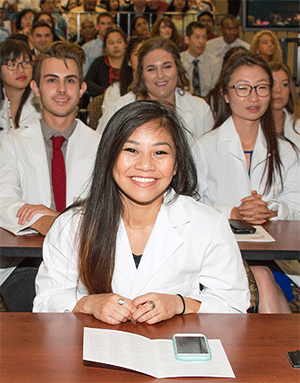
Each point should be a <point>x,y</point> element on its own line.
<point>121,301</point>
<point>152,304</point>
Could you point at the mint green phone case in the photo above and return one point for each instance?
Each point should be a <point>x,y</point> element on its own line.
<point>191,355</point>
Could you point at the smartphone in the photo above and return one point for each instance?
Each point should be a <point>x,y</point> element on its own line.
<point>294,358</point>
<point>191,347</point>
<point>241,227</point>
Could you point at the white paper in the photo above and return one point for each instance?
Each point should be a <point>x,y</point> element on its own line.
<point>152,357</point>
<point>261,235</point>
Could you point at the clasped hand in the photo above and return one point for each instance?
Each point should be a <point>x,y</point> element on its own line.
<point>106,308</point>
<point>253,209</point>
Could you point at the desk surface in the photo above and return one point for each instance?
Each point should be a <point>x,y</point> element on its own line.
<point>48,347</point>
<point>286,246</point>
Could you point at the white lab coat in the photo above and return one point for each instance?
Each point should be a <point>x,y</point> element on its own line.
<point>223,176</point>
<point>190,244</point>
<point>289,131</point>
<point>194,111</point>
<point>24,171</point>
<point>29,114</point>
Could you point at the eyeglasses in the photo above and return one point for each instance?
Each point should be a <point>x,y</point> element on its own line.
<point>15,65</point>
<point>262,90</point>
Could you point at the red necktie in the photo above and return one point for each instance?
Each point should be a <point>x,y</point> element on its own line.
<point>58,174</point>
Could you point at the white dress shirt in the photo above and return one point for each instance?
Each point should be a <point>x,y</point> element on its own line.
<point>218,46</point>
<point>209,68</point>
<point>190,244</point>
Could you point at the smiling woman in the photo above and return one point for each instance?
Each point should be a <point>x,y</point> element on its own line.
<point>16,107</point>
<point>246,170</point>
<point>161,76</point>
<point>140,245</point>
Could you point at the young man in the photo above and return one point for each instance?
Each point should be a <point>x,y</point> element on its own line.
<point>202,67</point>
<point>41,36</point>
<point>230,31</point>
<point>45,166</point>
<point>94,48</point>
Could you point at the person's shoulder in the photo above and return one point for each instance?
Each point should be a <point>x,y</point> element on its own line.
<point>213,60</point>
<point>26,129</point>
<point>86,130</point>
<point>91,44</point>
<point>199,213</point>
<point>214,42</point>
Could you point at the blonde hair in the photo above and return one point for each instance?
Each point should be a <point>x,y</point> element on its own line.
<point>277,55</point>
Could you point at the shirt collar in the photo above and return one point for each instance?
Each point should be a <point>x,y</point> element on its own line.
<point>48,132</point>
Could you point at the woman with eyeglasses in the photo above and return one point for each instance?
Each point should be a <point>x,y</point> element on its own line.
<point>245,169</point>
<point>16,106</point>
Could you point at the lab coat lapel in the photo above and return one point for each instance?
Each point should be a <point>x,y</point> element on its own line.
<point>35,146</point>
<point>230,135</point>
<point>260,150</point>
<point>162,243</point>
<point>184,109</point>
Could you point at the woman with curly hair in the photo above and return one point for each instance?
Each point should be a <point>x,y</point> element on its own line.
<point>161,76</point>
<point>267,46</point>
<point>164,27</point>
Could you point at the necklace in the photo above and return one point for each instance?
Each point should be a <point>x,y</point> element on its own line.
<point>138,228</point>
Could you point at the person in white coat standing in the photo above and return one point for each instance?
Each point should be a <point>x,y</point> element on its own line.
<point>161,76</point>
<point>139,247</point>
<point>245,170</point>
<point>37,178</point>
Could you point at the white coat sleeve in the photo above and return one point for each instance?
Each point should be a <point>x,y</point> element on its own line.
<point>57,285</point>
<point>287,203</point>
<point>226,288</point>
<point>108,112</point>
<point>203,177</point>
<point>11,193</point>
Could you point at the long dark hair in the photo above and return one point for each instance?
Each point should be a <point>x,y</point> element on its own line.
<point>103,207</point>
<point>172,8</point>
<point>223,110</point>
<point>37,19</point>
<point>126,74</point>
<point>11,50</point>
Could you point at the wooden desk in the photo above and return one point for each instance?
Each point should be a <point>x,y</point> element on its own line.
<point>48,347</point>
<point>286,245</point>
<point>29,245</point>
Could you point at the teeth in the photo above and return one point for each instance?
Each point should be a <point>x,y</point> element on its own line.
<point>141,179</point>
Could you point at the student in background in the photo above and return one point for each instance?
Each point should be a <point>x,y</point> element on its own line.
<point>207,19</point>
<point>41,36</point>
<point>161,76</point>
<point>48,18</point>
<point>46,165</point>
<point>164,27</point>
<point>24,21</point>
<point>265,43</point>
<point>181,15</point>
<point>94,48</point>
<point>284,103</point>
<point>202,67</point>
<point>245,170</point>
<point>88,32</point>
<point>229,39</point>
<point>105,70</point>
<point>129,66</point>
<point>139,247</point>
<point>16,97</point>
<point>140,26</point>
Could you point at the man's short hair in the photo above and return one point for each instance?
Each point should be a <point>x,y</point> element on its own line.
<point>192,26</point>
<point>61,50</point>
<point>229,17</point>
<point>39,24</point>
<point>206,13</point>
<point>104,14</point>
